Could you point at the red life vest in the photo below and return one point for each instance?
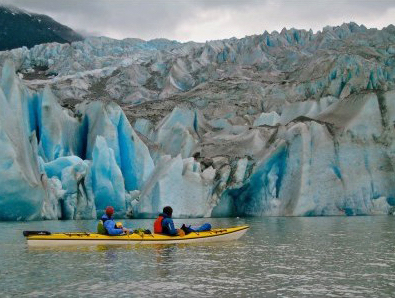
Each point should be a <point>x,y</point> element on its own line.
<point>158,225</point>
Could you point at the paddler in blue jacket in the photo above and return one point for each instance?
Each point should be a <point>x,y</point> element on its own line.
<point>109,224</point>
<point>164,225</point>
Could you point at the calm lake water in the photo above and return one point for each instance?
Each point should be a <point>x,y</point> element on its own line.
<point>278,257</point>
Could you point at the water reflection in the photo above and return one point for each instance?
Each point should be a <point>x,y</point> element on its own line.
<point>164,256</point>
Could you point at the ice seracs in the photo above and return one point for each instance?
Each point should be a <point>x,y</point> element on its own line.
<point>59,164</point>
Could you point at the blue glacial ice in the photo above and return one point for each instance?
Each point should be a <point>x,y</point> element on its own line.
<point>180,183</point>
<point>21,192</point>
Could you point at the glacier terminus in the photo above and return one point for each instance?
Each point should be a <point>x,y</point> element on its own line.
<point>290,123</point>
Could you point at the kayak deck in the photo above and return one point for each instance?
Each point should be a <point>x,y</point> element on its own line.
<point>81,238</point>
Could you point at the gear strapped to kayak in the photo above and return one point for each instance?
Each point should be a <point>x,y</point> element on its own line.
<point>101,229</point>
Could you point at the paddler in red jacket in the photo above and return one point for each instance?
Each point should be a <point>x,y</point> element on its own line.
<point>165,225</point>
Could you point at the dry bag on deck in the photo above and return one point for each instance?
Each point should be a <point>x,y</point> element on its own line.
<point>101,229</point>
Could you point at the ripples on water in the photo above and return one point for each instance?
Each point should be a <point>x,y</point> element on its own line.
<point>278,257</point>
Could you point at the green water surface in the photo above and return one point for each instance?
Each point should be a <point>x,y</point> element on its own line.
<point>278,257</point>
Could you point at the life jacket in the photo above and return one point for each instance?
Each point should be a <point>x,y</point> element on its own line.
<point>158,225</point>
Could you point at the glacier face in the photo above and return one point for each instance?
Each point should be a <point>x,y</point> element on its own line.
<point>290,123</point>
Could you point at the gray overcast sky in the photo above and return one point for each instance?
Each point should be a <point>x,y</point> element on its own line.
<point>201,20</point>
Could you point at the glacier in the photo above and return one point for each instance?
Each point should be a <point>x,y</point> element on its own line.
<point>290,123</point>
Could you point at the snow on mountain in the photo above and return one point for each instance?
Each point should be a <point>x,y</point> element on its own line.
<point>292,123</point>
<point>21,28</point>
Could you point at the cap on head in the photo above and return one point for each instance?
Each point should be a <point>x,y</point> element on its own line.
<point>110,210</point>
<point>168,210</point>
<point>119,225</point>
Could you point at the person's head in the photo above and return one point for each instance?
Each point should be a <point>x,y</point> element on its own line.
<point>109,211</point>
<point>119,225</point>
<point>168,211</point>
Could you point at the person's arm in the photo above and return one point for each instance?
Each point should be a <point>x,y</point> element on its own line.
<point>168,222</point>
<point>110,227</point>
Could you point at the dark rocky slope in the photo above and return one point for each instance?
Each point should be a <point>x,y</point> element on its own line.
<point>20,28</point>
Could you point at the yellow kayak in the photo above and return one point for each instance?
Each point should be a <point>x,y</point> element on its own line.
<point>77,238</point>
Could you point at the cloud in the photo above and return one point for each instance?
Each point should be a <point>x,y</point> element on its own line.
<point>201,20</point>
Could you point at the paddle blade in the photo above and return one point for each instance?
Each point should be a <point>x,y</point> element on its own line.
<point>28,233</point>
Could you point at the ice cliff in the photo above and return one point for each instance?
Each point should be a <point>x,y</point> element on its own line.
<point>293,123</point>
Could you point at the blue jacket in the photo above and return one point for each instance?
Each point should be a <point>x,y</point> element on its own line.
<point>109,225</point>
<point>168,225</point>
